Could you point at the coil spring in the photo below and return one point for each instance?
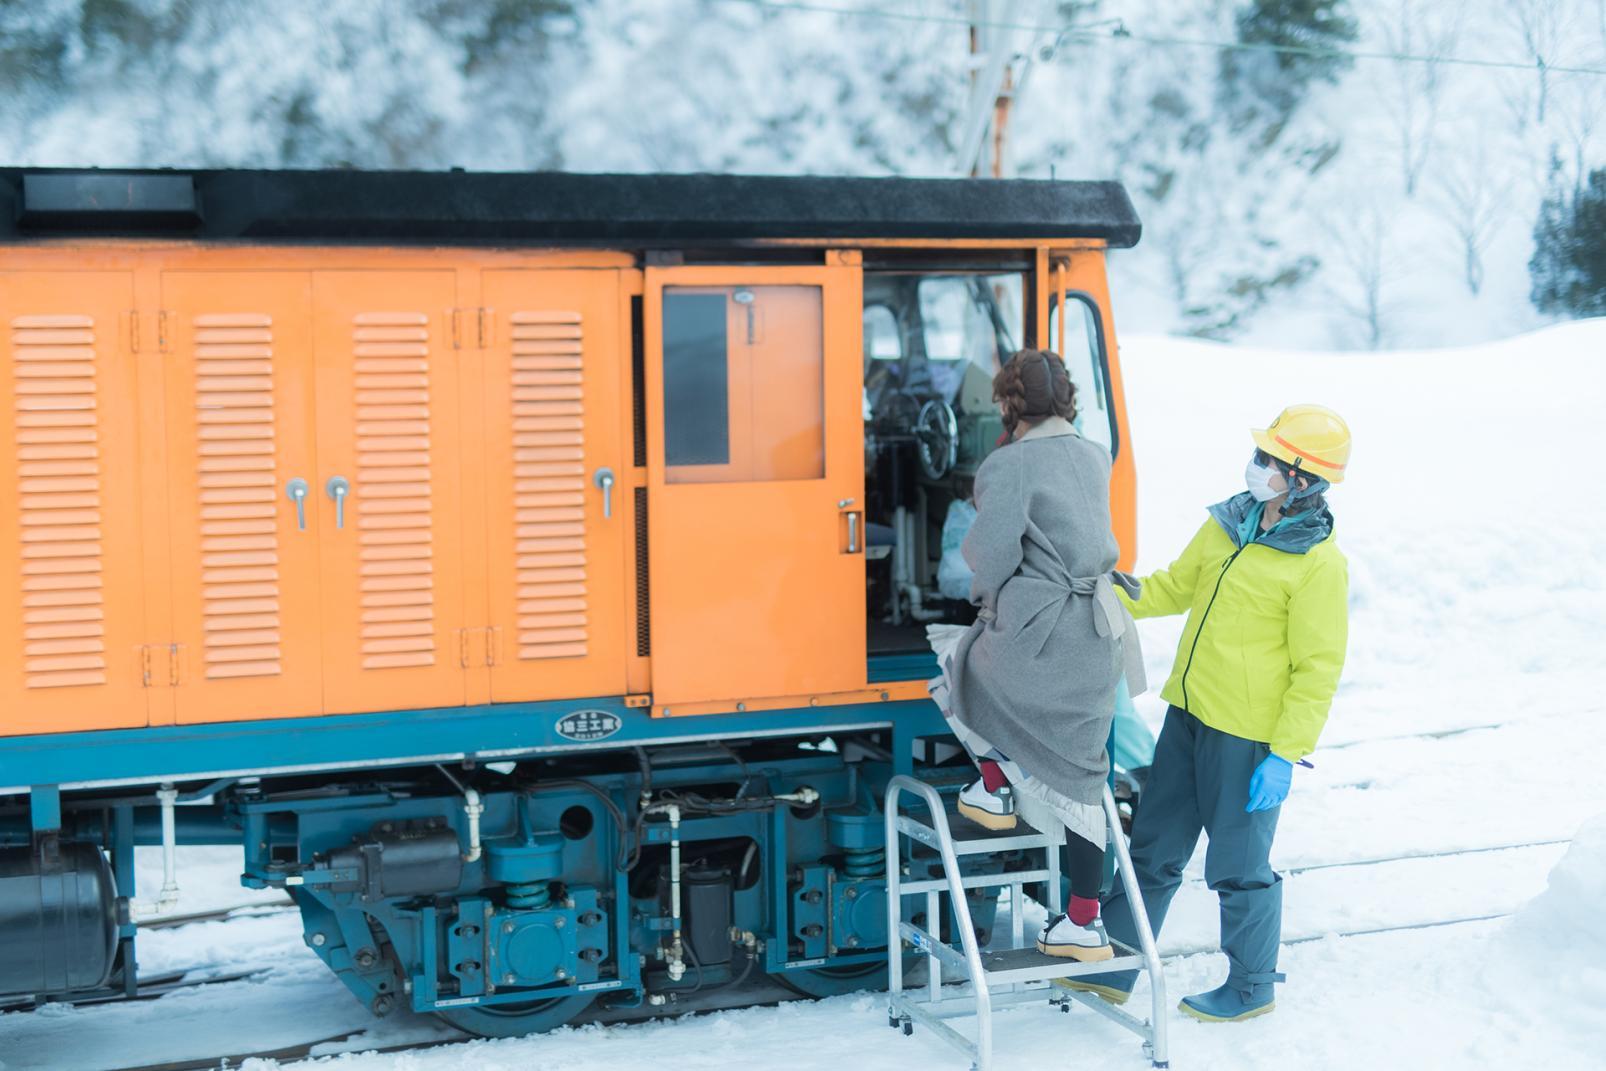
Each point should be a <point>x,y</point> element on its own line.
<point>864,862</point>
<point>529,896</point>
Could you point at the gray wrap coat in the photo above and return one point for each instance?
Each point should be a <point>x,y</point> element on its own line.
<point>1037,672</point>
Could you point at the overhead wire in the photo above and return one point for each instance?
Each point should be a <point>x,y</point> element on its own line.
<point>1118,31</point>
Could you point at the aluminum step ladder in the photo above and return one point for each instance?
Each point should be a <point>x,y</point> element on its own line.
<point>1019,974</point>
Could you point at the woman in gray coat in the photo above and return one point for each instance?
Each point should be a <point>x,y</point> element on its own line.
<point>1030,687</point>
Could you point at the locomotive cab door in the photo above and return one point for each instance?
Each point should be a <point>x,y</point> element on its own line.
<point>755,469</point>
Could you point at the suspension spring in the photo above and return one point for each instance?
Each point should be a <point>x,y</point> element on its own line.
<point>864,862</point>
<point>529,896</point>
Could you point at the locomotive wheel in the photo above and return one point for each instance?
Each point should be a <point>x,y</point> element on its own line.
<point>834,981</point>
<point>516,1020</point>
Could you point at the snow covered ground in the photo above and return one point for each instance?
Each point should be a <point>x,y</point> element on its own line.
<point>1472,717</point>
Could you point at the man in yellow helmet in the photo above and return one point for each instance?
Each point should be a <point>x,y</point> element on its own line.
<point>1265,588</point>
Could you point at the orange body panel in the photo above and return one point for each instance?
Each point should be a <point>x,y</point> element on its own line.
<point>245,576</point>
<point>388,423</point>
<point>159,397</point>
<point>755,593</point>
<point>72,590</point>
<point>554,542</point>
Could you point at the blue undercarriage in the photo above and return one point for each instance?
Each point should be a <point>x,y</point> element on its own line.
<point>509,866</point>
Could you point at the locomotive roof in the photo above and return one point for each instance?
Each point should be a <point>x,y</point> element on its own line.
<point>549,207</point>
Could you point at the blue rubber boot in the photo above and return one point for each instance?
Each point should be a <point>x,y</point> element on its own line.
<point>1228,1004</point>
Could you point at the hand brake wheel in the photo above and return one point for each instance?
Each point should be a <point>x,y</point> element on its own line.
<point>937,432</point>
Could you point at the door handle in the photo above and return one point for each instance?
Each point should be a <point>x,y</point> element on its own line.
<point>604,480</point>
<point>853,532</point>
<point>296,491</point>
<point>338,488</point>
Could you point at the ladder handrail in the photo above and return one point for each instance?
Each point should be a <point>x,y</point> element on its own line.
<point>1140,919</point>
<point>1155,1032</point>
<point>956,893</point>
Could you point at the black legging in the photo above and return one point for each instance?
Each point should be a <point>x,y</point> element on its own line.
<point>1085,862</point>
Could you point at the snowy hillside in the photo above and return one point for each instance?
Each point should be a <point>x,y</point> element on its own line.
<point>1461,758</point>
<point>1387,201</point>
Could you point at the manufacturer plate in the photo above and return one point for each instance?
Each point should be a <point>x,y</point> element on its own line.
<point>584,726</point>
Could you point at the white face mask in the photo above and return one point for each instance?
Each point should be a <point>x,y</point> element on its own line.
<point>1258,479</point>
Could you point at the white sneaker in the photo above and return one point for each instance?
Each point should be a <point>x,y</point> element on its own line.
<point>992,810</point>
<point>1066,939</point>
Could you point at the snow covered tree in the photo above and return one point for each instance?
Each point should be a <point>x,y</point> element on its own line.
<point>1414,90</point>
<point>1270,73</point>
<point>1568,268</point>
<point>1471,198</point>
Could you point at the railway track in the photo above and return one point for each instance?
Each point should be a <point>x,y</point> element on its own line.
<point>156,986</point>
<point>222,914</point>
<point>308,1049</point>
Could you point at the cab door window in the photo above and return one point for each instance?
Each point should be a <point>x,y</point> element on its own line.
<point>744,389</point>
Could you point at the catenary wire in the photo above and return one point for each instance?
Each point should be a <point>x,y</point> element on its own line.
<point>1118,31</point>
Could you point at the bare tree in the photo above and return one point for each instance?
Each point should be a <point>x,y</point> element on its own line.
<point>1415,88</point>
<point>1471,200</point>
<point>1359,268</point>
<point>1578,106</point>
<point>1539,25</point>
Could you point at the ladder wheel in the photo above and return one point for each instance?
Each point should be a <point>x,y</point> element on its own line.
<point>908,1028</point>
<point>892,1019</point>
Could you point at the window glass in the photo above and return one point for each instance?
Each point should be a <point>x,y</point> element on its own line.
<point>970,320</point>
<point>744,379</point>
<point>696,401</point>
<point>882,340</point>
<point>1084,360</point>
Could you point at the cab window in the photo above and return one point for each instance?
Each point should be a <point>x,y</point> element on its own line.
<point>1086,361</point>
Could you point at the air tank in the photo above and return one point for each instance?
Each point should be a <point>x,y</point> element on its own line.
<point>58,920</point>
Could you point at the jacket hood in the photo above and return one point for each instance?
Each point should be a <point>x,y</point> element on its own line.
<point>1292,535</point>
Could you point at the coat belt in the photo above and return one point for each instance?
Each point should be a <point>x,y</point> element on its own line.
<point>1112,619</point>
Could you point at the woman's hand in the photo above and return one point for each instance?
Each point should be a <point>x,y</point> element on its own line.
<point>1268,785</point>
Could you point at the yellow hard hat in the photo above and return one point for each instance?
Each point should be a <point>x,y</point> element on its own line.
<point>1311,437</point>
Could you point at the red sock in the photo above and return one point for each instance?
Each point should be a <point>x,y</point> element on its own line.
<point>992,775</point>
<point>1082,910</point>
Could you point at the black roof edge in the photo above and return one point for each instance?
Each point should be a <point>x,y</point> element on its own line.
<point>459,207</point>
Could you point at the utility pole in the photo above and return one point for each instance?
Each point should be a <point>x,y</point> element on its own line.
<point>993,59</point>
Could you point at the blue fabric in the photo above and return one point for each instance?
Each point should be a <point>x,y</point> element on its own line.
<point>1134,743</point>
<point>1292,535</point>
<point>1268,785</point>
<point>1224,1003</point>
<point>1200,783</point>
<point>1249,527</point>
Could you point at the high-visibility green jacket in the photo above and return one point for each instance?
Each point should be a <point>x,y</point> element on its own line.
<point>1268,621</point>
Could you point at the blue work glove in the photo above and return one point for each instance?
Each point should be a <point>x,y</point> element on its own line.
<point>1268,785</point>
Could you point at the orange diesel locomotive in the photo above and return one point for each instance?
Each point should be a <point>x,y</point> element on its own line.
<point>530,571</point>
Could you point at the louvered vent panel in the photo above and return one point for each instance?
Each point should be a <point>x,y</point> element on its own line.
<point>238,491</point>
<point>549,485</point>
<point>59,501</point>
<point>392,493</point>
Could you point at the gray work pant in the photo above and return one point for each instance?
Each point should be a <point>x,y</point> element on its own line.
<point>1200,781</point>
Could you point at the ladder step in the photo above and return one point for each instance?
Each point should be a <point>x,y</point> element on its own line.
<point>1030,965</point>
<point>979,881</point>
<point>976,840</point>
